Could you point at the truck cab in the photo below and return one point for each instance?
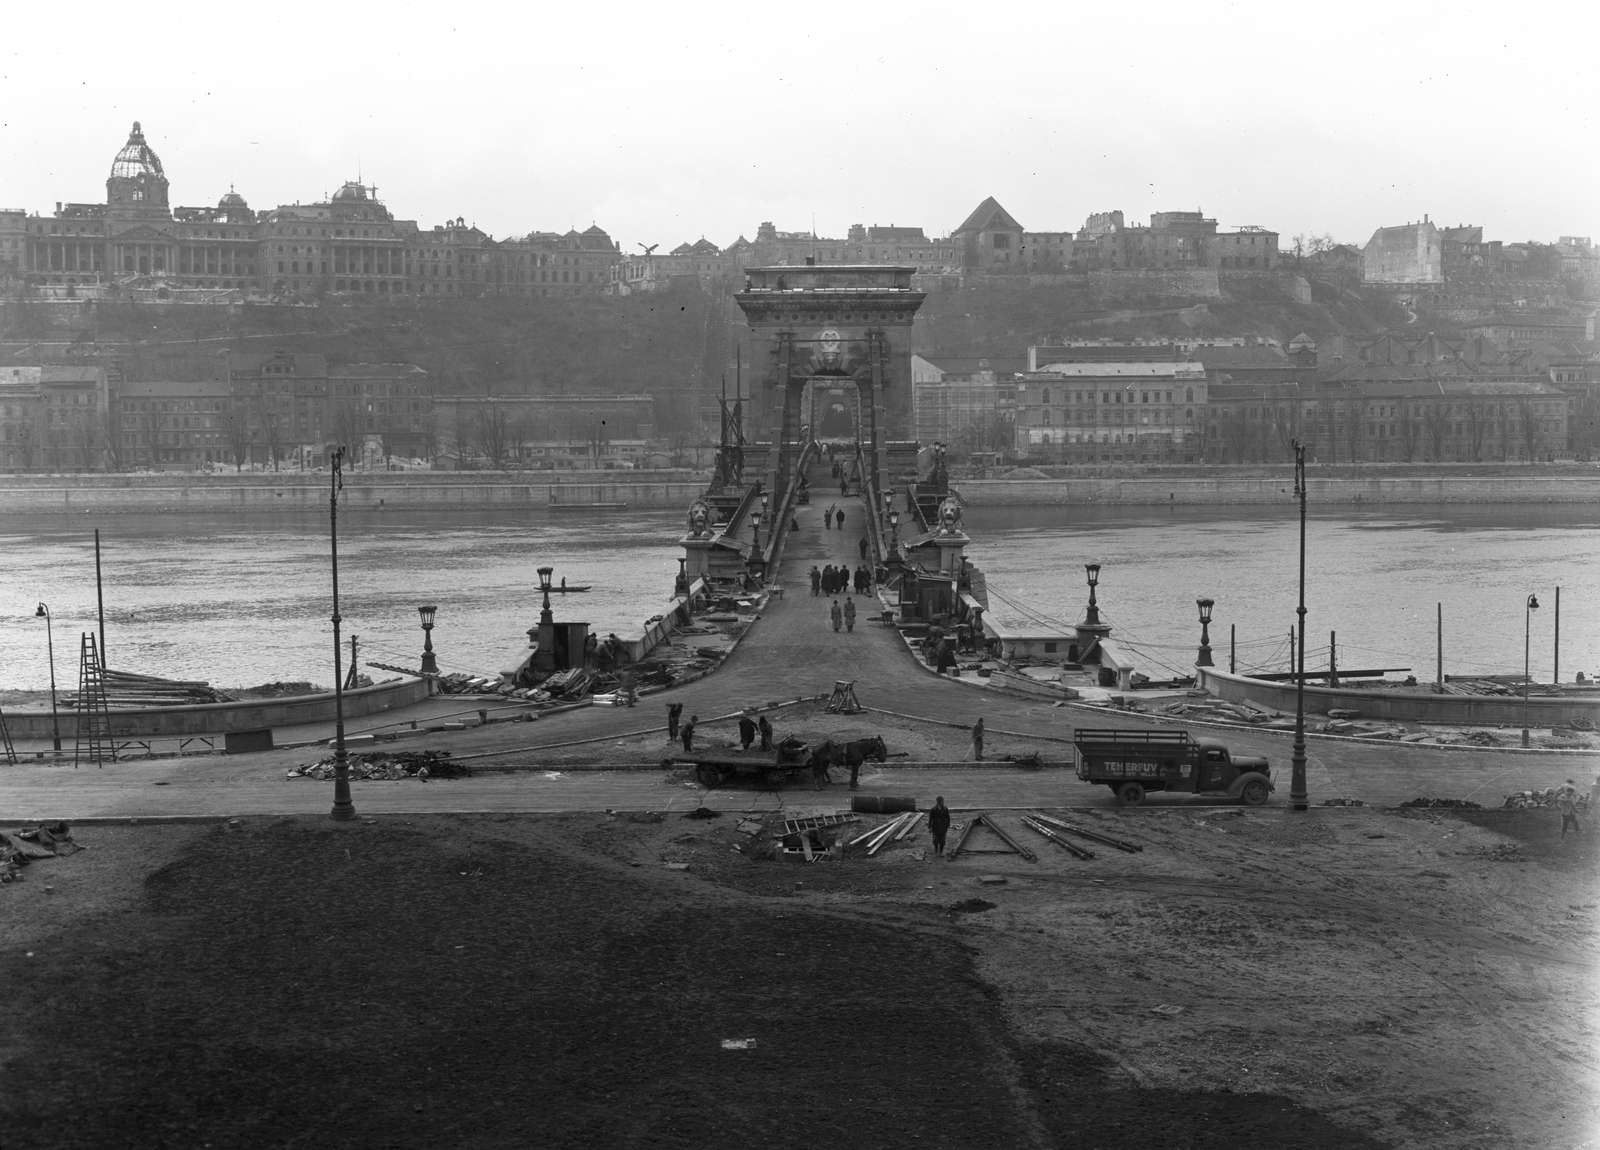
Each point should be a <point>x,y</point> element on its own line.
<point>1135,762</point>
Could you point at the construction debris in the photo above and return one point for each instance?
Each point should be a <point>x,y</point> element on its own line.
<point>382,766</point>
<point>1120,844</point>
<point>988,822</point>
<point>21,847</point>
<point>1463,804</point>
<point>1071,848</point>
<point>1545,798</point>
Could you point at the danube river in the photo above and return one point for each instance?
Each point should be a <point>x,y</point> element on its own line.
<point>242,600</point>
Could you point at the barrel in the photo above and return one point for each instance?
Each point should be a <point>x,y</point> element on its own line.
<point>880,804</point>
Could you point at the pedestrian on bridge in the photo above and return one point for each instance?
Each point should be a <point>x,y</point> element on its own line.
<point>837,614</point>
<point>849,614</point>
<point>863,546</point>
<point>816,580</point>
<point>688,733</point>
<point>674,713</point>
<point>839,518</point>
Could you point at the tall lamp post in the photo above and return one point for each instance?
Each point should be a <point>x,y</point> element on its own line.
<point>1527,632</point>
<point>1297,760</point>
<point>755,541</point>
<point>343,808</point>
<point>894,528</point>
<point>1205,605</point>
<point>430,665</point>
<point>50,644</point>
<point>1092,570</point>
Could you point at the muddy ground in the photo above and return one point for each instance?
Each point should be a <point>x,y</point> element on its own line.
<point>1340,978</point>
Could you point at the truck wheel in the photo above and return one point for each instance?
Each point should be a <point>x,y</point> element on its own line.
<point>708,775</point>
<point>1131,794</point>
<point>1255,793</point>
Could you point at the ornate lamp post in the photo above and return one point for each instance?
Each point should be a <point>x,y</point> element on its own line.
<point>430,665</point>
<point>543,637</point>
<point>1297,759</point>
<point>755,539</point>
<point>1205,606</point>
<point>894,527</point>
<point>1093,572</point>
<point>50,644</point>
<point>544,585</point>
<point>1527,631</point>
<point>343,808</point>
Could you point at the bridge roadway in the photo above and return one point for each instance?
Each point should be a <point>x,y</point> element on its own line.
<point>790,651</point>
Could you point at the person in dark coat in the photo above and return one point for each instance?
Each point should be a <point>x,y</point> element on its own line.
<point>947,656</point>
<point>939,824</point>
<point>839,518</point>
<point>863,546</point>
<point>747,732</point>
<point>816,579</point>
<point>766,733</point>
<point>836,614</point>
<point>674,713</point>
<point>977,741</point>
<point>849,613</point>
<point>688,733</point>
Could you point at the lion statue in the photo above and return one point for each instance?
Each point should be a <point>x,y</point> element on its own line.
<point>950,517</point>
<point>699,518</point>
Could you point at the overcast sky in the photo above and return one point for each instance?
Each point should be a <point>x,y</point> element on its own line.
<point>668,122</point>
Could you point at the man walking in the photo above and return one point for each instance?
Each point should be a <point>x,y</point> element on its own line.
<point>849,614</point>
<point>977,741</point>
<point>838,517</point>
<point>816,580</point>
<point>939,824</point>
<point>863,546</point>
<point>674,713</point>
<point>688,733</point>
<point>747,732</point>
<point>836,614</point>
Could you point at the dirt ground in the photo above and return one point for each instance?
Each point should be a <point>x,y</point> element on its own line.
<point>1341,978</point>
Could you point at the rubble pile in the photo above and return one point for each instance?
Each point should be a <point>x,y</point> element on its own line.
<point>384,766</point>
<point>20,848</point>
<point>1501,852</point>
<point>1461,804</point>
<point>1545,798</point>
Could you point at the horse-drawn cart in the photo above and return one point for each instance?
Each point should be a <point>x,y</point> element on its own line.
<point>717,765</point>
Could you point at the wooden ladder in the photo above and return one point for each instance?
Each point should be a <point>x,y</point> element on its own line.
<point>94,740</point>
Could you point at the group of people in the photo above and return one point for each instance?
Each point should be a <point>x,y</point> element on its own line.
<point>832,516</point>
<point>831,580</point>
<point>845,614</point>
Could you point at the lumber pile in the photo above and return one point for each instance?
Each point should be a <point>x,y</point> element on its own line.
<point>124,689</point>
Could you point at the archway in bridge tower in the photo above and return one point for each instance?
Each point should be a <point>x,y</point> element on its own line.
<point>834,409</point>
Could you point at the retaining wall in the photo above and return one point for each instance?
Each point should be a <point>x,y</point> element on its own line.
<point>1413,706</point>
<point>220,718</point>
<point>1323,492</point>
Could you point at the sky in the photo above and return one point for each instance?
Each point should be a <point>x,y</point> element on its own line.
<point>665,123</point>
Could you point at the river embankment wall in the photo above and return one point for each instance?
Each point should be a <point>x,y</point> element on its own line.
<point>293,491</point>
<point>220,718</point>
<point>1375,491</point>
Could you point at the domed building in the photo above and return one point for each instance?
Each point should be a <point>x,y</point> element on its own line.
<point>137,185</point>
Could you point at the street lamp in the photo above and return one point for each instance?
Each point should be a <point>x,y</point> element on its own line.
<point>1297,760</point>
<point>1527,628</point>
<point>755,542</point>
<point>1205,606</point>
<point>894,526</point>
<point>430,665</point>
<point>50,644</point>
<point>343,809</point>
<point>544,585</point>
<point>1093,571</point>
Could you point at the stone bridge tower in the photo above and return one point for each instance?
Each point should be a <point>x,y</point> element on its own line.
<point>830,325</point>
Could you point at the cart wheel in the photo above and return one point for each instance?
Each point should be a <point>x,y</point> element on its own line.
<point>775,780</point>
<point>1131,794</point>
<point>1255,792</point>
<point>708,775</point>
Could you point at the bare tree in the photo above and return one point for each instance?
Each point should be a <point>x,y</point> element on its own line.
<point>271,424</point>
<point>236,430</point>
<point>1436,424</point>
<point>111,432</point>
<point>1532,430</point>
<point>1410,428</point>
<point>492,433</point>
<point>1307,244</point>
<point>1353,413</point>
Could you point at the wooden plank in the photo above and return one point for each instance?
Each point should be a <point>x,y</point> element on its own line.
<point>905,830</point>
<point>1071,848</point>
<point>887,834</point>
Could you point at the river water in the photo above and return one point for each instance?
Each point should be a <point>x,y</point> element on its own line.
<point>241,600</point>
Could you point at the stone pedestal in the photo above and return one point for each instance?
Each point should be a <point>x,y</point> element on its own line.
<point>952,551</point>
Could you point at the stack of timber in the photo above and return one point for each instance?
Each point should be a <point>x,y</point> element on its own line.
<point>124,689</point>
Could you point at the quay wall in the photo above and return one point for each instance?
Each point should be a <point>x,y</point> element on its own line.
<point>1419,705</point>
<point>220,718</point>
<point>297,491</point>
<point>1373,491</point>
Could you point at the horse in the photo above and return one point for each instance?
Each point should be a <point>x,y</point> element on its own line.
<point>847,754</point>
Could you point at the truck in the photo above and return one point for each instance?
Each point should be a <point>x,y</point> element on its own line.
<point>1133,763</point>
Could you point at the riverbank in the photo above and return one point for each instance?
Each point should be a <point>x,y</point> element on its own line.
<point>1346,491</point>
<point>279,491</point>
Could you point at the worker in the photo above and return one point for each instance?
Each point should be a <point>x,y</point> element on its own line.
<point>688,733</point>
<point>849,614</point>
<point>1567,800</point>
<point>766,733</point>
<point>862,546</point>
<point>674,713</point>
<point>838,517</point>
<point>947,656</point>
<point>939,824</point>
<point>836,614</point>
<point>977,741</point>
<point>816,579</point>
<point>747,732</point>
